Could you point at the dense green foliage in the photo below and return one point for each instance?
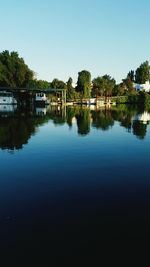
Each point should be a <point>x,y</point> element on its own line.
<point>39,84</point>
<point>84,83</point>
<point>119,89</point>
<point>133,98</point>
<point>70,89</point>
<point>13,70</point>
<point>129,85</point>
<point>131,75</point>
<point>103,86</point>
<point>58,84</point>
<point>143,73</point>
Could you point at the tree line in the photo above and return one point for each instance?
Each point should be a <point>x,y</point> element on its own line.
<point>14,73</point>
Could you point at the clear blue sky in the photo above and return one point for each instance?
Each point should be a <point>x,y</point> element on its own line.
<point>59,38</point>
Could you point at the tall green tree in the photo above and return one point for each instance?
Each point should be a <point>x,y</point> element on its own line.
<point>97,88</point>
<point>142,73</point>
<point>103,86</point>
<point>13,70</point>
<point>84,83</point>
<point>42,84</point>
<point>58,84</point>
<point>39,84</point>
<point>131,75</point>
<point>119,89</point>
<point>128,84</point>
<point>70,89</point>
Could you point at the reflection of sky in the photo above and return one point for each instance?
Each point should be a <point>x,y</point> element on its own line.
<point>61,177</point>
<point>58,154</point>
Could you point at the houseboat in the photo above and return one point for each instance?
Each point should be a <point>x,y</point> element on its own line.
<point>41,99</point>
<point>7,98</point>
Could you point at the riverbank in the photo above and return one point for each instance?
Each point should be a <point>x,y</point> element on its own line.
<point>133,98</point>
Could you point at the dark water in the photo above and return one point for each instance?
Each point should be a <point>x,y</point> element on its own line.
<point>70,179</point>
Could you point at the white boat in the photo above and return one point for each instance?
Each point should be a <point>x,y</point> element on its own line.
<point>7,98</point>
<point>41,99</point>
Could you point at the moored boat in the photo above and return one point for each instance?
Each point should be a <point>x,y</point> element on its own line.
<point>7,98</point>
<point>41,99</point>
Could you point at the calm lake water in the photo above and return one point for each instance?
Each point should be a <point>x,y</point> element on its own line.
<point>72,178</point>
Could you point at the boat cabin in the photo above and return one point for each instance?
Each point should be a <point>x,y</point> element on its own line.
<point>7,98</point>
<point>41,98</point>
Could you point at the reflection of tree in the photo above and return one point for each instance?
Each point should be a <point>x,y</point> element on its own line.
<point>126,123</point>
<point>125,119</point>
<point>57,115</point>
<point>102,119</point>
<point>139,129</point>
<point>124,114</point>
<point>71,112</point>
<point>16,131</point>
<point>83,121</point>
<point>58,120</point>
<point>17,128</point>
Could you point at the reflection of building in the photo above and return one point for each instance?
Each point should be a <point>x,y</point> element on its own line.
<point>144,117</point>
<point>143,87</point>
<point>40,111</point>
<point>7,98</point>
<point>74,121</point>
<point>91,101</point>
<point>6,110</point>
<point>101,102</point>
<point>92,107</point>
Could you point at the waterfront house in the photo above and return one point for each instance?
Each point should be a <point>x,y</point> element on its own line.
<point>143,87</point>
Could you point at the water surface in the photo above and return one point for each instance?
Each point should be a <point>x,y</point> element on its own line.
<point>70,178</point>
